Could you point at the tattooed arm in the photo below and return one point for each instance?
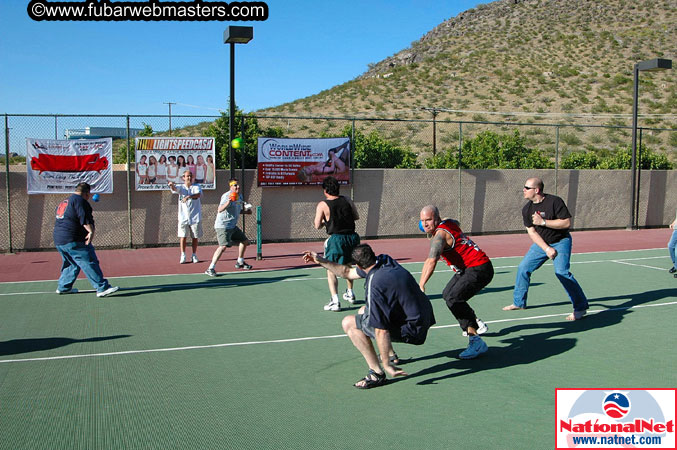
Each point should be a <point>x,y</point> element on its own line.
<point>437,245</point>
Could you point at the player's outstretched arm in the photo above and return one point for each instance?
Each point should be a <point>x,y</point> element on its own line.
<point>340,270</point>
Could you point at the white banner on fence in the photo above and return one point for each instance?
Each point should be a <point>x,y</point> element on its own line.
<point>163,159</point>
<point>288,162</point>
<point>57,166</point>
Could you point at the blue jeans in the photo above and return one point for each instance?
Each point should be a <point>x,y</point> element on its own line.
<point>534,259</point>
<point>76,256</point>
<point>671,248</point>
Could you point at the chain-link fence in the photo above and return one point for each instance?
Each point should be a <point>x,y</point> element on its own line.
<point>485,201</point>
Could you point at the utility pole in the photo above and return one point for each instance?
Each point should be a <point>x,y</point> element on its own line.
<point>434,112</point>
<point>170,115</point>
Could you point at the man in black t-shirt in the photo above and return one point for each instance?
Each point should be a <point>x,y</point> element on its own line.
<point>547,220</point>
<point>73,234</point>
<point>396,310</point>
<point>337,214</point>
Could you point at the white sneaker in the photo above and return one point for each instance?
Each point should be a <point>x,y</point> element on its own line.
<point>183,258</point>
<point>332,306</point>
<point>210,272</point>
<point>350,298</point>
<point>70,291</point>
<point>476,347</point>
<point>108,291</point>
<point>481,328</point>
<point>194,259</point>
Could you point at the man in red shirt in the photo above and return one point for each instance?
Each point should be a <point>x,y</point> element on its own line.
<point>473,271</point>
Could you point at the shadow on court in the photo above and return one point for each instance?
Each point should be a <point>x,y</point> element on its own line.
<point>523,347</point>
<point>17,346</point>
<point>220,281</point>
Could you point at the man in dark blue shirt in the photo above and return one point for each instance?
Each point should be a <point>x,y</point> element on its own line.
<point>396,310</point>
<point>73,234</point>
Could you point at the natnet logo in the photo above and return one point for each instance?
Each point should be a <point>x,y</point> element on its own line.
<point>615,418</point>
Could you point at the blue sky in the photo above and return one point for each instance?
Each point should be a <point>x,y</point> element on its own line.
<point>133,67</point>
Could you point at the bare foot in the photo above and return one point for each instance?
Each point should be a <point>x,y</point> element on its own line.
<point>511,308</point>
<point>576,315</point>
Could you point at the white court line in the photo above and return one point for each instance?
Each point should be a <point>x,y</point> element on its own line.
<point>620,261</point>
<point>312,338</point>
<point>315,267</point>
<point>298,278</point>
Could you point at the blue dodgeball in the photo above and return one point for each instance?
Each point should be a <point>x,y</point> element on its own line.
<point>420,226</point>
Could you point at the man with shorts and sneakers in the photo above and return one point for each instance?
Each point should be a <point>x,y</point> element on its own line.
<point>396,310</point>
<point>473,271</point>
<point>227,231</point>
<point>190,214</point>
<point>338,214</point>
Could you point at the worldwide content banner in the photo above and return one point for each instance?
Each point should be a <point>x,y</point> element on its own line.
<point>293,162</point>
<point>615,418</point>
<point>160,160</point>
<point>57,166</point>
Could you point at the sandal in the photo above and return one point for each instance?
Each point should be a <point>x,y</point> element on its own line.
<point>394,359</point>
<point>372,380</point>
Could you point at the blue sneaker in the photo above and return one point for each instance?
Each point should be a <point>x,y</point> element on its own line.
<point>476,347</point>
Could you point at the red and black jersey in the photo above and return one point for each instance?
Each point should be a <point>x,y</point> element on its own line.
<point>463,252</point>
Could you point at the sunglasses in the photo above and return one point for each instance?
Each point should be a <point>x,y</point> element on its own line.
<point>528,188</point>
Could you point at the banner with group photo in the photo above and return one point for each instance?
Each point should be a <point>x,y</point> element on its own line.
<point>289,162</point>
<point>160,160</point>
<point>57,166</point>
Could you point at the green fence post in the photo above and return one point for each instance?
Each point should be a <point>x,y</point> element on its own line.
<point>259,251</point>
<point>7,185</point>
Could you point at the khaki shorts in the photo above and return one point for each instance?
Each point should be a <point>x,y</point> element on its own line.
<point>227,237</point>
<point>193,231</point>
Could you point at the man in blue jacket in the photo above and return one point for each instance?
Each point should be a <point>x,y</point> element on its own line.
<point>73,235</point>
<point>396,310</point>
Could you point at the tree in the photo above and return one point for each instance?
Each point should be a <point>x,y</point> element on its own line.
<point>375,151</point>
<point>120,151</point>
<point>219,130</point>
<point>580,160</point>
<point>490,150</point>
<point>621,158</point>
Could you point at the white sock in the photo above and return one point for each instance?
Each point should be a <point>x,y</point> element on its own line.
<point>350,292</point>
<point>183,254</point>
<point>212,266</point>
<point>240,260</point>
<point>334,298</point>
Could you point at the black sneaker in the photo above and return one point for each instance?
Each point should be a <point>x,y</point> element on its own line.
<point>243,266</point>
<point>672,270</point>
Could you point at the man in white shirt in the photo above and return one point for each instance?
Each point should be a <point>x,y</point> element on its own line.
<point>190,213</point>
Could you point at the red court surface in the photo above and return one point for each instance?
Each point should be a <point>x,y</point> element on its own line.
<point>33,266</point>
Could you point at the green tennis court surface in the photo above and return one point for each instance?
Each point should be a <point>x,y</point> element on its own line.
<point>251,361</point>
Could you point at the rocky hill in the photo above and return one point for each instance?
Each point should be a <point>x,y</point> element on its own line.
<point>529,61</point>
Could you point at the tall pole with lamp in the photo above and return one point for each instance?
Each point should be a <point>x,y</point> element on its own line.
<point>652,65</point>
<point>234,35</point>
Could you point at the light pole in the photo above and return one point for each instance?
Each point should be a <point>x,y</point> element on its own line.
<point>651,65</point>
<point>234,35</point>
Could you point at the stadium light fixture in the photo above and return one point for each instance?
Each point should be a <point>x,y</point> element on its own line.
<point>234,35</point>
<point>652,65</point>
